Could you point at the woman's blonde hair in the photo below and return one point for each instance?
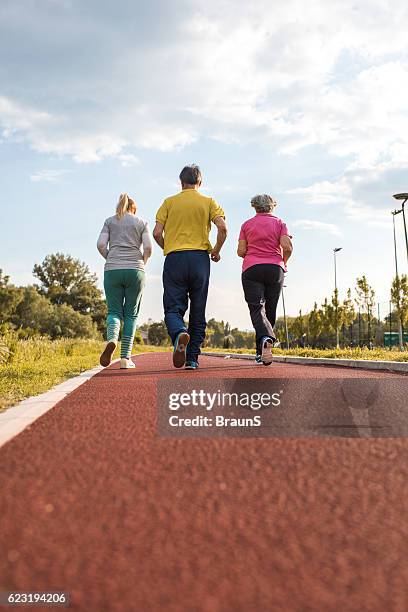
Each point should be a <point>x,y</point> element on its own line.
<point>263,203</point>
<point>124,205</point>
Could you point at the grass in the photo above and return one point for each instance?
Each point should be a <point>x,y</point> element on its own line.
<point>30,367</point>
<point>379,354</point>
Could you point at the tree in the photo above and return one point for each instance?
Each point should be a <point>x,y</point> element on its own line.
<point>157,334</point>
<point>297,328</point>
<point>399,297</point>
<point>228,341</point>
<point>328,321</point>
<point>10,296</point>
<point>366,299</point>
<point>138,339</point>
<point>68,323</point>
<point>315,324</point>
<point>65,280</point>
<point>239,338</point>
<point>216,333</point>
<point>35,312</point>
<point>348,313</point>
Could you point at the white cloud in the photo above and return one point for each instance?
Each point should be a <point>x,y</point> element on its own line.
<point>308,224</point>
<point>363,192</point>
<point>128,159</point>
<point>332,75</point>
<point>322,192</point>
<point>47,176</point>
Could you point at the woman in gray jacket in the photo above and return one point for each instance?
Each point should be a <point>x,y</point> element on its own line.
<point>126,245</point>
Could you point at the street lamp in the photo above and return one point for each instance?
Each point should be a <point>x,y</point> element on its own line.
<point>335,251</point>
<point>401,340</point>
<point>404,197</point>
<point>284,317</point>
<point>394,214</point>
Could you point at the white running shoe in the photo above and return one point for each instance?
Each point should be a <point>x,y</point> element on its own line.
<point>126,364</point>
<point>266,356</point>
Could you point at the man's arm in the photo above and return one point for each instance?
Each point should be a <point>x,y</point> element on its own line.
<point>219,222</point>
<point>158,234</point>
<point>287,247</point>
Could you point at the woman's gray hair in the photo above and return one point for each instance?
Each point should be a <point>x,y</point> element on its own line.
<point>263,203</point>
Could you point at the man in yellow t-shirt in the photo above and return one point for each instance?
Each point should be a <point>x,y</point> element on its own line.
<point>183,224</point>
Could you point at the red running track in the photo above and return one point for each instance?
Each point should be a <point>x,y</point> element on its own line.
<point>94,503</point>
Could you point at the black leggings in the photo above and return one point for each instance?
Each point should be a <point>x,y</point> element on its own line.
<point>262,286</point>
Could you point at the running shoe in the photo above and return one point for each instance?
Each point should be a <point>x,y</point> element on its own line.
<point>258,360</point>
<point>106,356</point>
<point>126,364</point>
<point>266,355</point>
<point>191,365</point>
<point>179,352</point>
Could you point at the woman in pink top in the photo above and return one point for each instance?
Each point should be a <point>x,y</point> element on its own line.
<point>265,245</point>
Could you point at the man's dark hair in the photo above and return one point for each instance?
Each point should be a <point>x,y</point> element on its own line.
<point>190,175</point>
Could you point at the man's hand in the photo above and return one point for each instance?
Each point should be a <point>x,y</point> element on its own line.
<point>219,222</point>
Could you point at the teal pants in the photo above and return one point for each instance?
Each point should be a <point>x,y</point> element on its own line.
<point>123,290</point>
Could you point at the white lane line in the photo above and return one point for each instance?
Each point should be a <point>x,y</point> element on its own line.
<point>15,419</point>
<point>364,364</point>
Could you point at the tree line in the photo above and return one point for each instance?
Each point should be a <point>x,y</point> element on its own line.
<point>355,318</point>
<point>67,302</point>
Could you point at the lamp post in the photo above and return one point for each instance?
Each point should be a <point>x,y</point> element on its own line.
<point>404,198</point>
<point>394,213</point>
<point>401,340</point>
<point>336,297</point>
<point>284,317</point>
<point>390,324</point>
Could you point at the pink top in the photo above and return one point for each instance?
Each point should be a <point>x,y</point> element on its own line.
<point>262,234</point>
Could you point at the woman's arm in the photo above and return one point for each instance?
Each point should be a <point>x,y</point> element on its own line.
<point>287,247</point>
<point>242,248</point>
<point>147,244</point>
<point>103,241</point>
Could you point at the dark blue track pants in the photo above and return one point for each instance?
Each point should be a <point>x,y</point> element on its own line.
<point>185,278</point>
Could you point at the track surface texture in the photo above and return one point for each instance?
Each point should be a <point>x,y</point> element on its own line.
<point>96,504</point>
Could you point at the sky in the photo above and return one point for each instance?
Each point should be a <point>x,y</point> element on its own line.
<point>305,104</point>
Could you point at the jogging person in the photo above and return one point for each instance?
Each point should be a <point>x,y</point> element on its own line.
<point>126,245</point>
<point>265,245</point>
<point>183,224</point>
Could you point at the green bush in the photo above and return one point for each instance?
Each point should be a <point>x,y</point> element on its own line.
<point>65,322</point>
<point>36,315</point>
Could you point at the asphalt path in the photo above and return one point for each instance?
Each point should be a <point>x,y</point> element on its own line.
<point>95,503</point>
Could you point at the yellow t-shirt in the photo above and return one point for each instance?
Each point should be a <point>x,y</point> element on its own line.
<point>186,218</point>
